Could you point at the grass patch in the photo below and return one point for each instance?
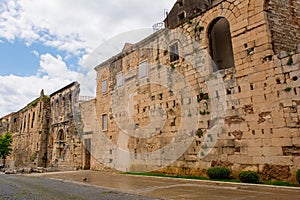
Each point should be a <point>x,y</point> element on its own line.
<point>164,175</point>
<point>290,61</point>
<point>178,176</point>
<point>288,89</point>
<point>278,183</point>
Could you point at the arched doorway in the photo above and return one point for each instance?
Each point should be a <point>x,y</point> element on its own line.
<point>60,143</point>
<point>220,44</point>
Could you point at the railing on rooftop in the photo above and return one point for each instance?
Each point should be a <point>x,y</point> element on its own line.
<point>158,26</point>
<point>86,98</point>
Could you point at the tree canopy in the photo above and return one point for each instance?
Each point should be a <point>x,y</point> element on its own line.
<point>5,144</point>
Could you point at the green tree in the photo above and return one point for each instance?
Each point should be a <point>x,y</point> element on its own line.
<point>5,144</point>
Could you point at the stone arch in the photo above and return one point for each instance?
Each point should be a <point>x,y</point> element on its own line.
<point>220,44</point>
<point>231,14</point>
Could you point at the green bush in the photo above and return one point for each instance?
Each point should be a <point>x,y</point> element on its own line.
<point>249,177</point>
<point>218,173</point>
<point>298,176</point>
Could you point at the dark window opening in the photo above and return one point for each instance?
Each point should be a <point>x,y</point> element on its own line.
<point>180,3</point>
<point>28,121</point>
<point>32,122</point>
<point>24,123</point>
<point>181,16</point>
<point>220,44</point>
<point>174,52</point>
<point>61,136</point>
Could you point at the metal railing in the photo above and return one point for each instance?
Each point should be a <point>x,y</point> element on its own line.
<point>86,98</point>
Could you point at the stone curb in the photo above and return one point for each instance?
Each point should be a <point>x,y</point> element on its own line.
<point>220,183</point>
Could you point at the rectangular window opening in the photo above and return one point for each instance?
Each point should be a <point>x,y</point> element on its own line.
<point>143,70</point>
<point>104,122</point>
<point>104,86</point>
<point>120,79</point>
<point>174,52</point>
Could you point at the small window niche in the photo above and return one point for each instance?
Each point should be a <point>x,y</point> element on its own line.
<point>143,71</point>
<point>180,3</point>
<point>104,122</point>
<point>181,16</point>
<point>120,80</point>
<point>174,52</point>
<point>104,86</point>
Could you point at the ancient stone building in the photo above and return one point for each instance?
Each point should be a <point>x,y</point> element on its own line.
<point>219,87</point>
<point>64,142</point>
<point>44,131</point>
<point>30,129</point>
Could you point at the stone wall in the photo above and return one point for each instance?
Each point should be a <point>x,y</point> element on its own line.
<point>91,131</point>
<point>184,10</point>
<point>45,131</point>
<point>283,17</point>
<point>247,115</point>
<point>30,130</point>
<point>64,146</point>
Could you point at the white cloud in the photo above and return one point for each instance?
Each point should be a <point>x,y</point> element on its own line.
<point>55,68</point>
<point>17,91</point>
<point>74,26</point>
<point>36,53</point>
<point>53,74</point>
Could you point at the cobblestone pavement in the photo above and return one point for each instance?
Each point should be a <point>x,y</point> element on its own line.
<point>170,188</point>
<point>17,187</point>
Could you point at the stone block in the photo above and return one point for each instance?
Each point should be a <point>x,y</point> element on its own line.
<point>239,159</point>
<point>281,160</point>
<point>259,159</point>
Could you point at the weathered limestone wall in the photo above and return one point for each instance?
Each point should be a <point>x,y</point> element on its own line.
<point>64,146</point>
<point>261,130</point>
<point>91,130</point>
<point>254,105</point>
<point>45,132</point>
<point>30,130</point>
<point>183,11</point>
<point>283,17</point>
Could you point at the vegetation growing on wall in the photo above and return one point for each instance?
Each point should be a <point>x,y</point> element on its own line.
<point>5,144</point>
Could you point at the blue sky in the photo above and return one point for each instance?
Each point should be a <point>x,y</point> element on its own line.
<point>44,44</point>
<point>19,59</point>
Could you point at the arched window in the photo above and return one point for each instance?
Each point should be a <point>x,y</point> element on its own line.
<point>220,44</point>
